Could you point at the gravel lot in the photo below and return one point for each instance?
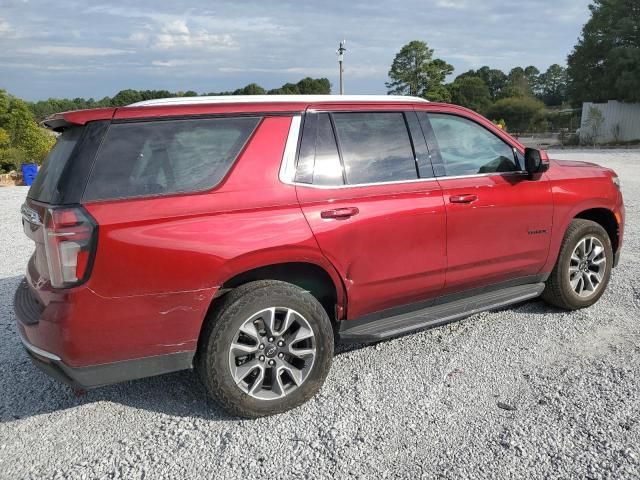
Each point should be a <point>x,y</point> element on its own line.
<point>426,405</point>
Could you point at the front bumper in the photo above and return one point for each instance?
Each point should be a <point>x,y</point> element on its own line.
<point>616,258</point>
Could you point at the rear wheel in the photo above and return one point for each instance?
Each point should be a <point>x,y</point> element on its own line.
<point>583,268</point>
<point>267,348</point>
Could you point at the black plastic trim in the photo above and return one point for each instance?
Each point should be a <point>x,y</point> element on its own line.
<point>109,373</point>
<point>25,304</point>
<point>440,310</point>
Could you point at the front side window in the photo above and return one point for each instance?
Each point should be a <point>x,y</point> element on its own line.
<point>467,148</point>
<point>162,157</point>
<point>375,147</point>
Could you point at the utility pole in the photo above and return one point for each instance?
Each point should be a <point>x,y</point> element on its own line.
<point>341,50</point>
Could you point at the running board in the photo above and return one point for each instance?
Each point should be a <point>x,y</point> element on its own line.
<point>373,328</point>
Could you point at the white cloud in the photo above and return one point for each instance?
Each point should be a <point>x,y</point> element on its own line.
<point>175,34</point>
<point>174,63</point>
<point>63,50</point>
<point>5,28</point>
<point>351,70</point>
<point>452,4</point>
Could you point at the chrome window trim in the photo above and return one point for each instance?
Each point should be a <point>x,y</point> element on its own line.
<point>288,166</point>
<point>491,174</point>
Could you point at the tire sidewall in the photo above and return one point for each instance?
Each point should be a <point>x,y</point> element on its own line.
<point>590,229</point>
<point>218,377</point>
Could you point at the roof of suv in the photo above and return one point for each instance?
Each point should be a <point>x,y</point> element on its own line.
<point>220,104</point>
<point>274,99</point>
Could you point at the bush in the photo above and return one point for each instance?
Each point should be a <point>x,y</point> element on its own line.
<point>517,112</point>
<point>11,159</point>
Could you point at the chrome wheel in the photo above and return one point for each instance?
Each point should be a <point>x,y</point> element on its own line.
<point>587,266</point>
<point>272,353</point>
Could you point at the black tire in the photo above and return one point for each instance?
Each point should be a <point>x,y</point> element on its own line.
<point>558,290</point>
<point>222,325</point>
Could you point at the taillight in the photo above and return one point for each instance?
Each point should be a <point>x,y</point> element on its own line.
<point>69,240</point>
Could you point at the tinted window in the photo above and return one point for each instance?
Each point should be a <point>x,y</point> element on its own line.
<point>327,169</point>
<point>151,158</point>
<point>44,187</point>
<point>375,147</point>
<point>318,159</point>
<point>468,148</point>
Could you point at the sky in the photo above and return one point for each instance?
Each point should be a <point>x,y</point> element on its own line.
<point>93,48</point>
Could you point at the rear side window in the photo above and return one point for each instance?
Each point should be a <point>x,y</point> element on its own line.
<point>375,147</point>
<point>170,156</point>
<point>45,186</point>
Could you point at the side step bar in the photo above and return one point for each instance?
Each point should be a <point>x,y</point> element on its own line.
<point>373,328</point>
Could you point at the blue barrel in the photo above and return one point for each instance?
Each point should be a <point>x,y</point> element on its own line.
<point>29,172</point>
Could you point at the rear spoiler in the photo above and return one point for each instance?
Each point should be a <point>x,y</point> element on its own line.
<point>60,121</point>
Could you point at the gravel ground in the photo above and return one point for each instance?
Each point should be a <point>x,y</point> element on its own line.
<point>524,392</point>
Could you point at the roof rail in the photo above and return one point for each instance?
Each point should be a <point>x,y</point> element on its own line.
<point>275,99</point>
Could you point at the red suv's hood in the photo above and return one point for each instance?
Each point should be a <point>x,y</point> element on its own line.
<point>575,163</point>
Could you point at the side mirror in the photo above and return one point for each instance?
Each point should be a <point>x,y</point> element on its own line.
<point>535,161</point>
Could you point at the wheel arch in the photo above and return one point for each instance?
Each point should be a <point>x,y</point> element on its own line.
<point>606,219</point>
<point>325,285</point>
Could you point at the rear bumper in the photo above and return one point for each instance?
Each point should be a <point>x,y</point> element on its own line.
<point>30,314</point>
<point>99,375</point>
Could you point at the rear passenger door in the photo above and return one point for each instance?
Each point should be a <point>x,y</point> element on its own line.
<point>368,191</point>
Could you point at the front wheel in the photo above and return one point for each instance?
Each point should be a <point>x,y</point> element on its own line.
<point>583,268</point>
<point>266,349</point>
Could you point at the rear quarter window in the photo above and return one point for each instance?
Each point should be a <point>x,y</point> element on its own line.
<point>45,186</point>
<point>169,156</point>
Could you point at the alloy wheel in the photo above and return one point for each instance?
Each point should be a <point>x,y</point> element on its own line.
<point>272,353</point>
<point>587,266</point>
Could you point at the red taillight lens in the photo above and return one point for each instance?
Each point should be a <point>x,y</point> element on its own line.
<point>69,239</point>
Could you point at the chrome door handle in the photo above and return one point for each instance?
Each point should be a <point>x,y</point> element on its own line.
<point>340,213</point>
<point>466,198</point>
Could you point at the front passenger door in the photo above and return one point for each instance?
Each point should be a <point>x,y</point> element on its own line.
<point>498,219</point>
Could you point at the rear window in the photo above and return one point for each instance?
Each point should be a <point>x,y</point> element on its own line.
<point>45,186</point>
<point>169,156</point>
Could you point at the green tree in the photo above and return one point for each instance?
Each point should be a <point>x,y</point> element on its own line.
<point>314,86</point>
<point>517,112</point>
<point>605,63</point>
<point>495,79</point>
<point>517,84</point>
<point>553,85</point>
<point>21,139</point>
<point>470,92</point>
<point>126,97</point>
<point>532,74</point>
<point>251,89</point>
<point>415,72</point>
<point>286,89</point>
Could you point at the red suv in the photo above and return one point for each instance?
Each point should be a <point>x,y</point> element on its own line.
<point>243,236</point>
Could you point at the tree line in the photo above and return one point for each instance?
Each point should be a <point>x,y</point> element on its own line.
<point>518,97</point>
<point>21,139</point>
<point>604,65</point>
<point>44,108</point>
